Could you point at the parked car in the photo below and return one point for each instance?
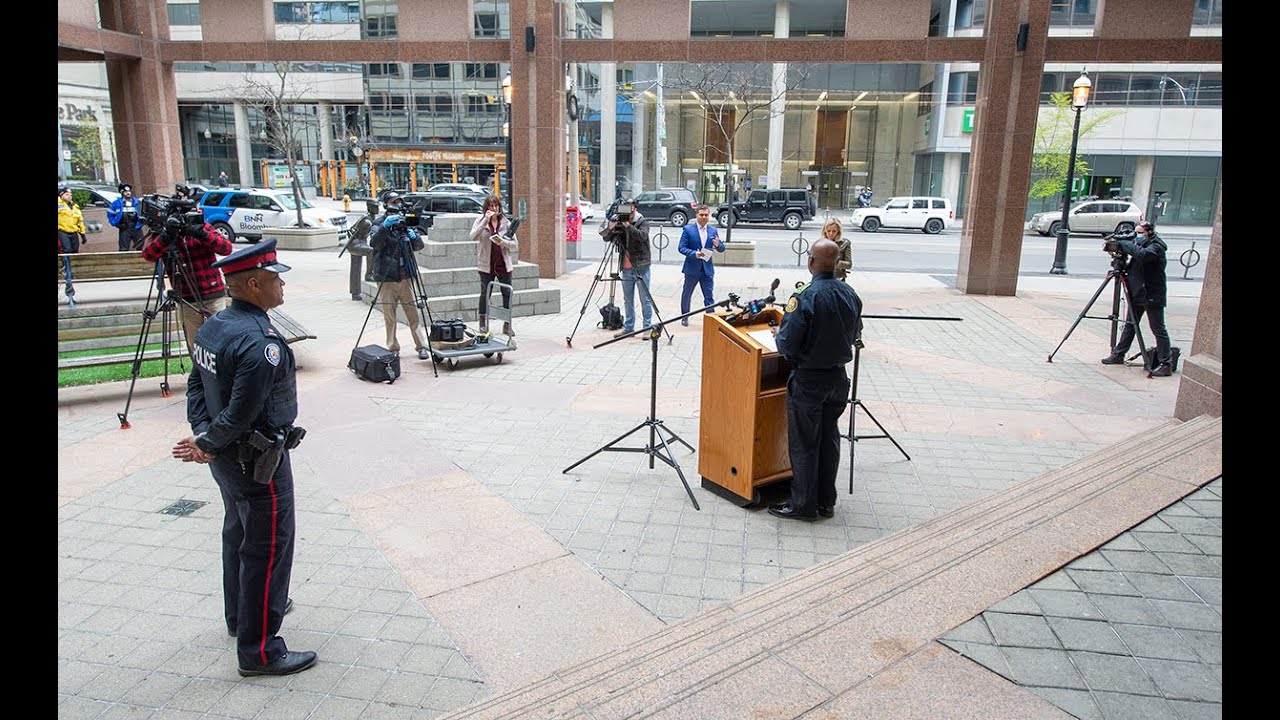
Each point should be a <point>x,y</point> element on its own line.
<point>789,206</point>
<point>249,212</point>
<point>468,188</point>
<point>586,210</point>
<point>90,195</point>
<point>930,214</point>
<point>675,205</point>
<point>1094,216</point>
<point>427,205</point>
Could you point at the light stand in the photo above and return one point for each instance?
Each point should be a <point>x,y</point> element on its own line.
<point>855,402</point>
<point>656,428</point>
<point>1079,98</point>
<point>506,102</point>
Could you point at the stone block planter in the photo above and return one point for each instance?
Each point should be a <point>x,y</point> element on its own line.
<point>738,253</point>
<point>316,238</point>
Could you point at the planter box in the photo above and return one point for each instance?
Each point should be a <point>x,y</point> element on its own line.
<point>738,253</point>
<point>318,238</point>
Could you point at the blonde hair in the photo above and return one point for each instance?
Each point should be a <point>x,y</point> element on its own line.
<point>839,228</point>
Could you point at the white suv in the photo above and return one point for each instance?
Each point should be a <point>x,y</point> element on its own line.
<point>930,214</point>
<point>1095,216</point>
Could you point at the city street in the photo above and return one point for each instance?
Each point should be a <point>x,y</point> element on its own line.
<point>914,251</point>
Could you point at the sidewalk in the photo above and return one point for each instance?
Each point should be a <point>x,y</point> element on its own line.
<point>444,558</point>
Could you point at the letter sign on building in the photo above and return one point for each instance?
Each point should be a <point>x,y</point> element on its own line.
<point>966,121</point>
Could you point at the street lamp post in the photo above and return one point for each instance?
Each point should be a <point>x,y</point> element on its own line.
<point>506,132</point>
<point>1079,98</point>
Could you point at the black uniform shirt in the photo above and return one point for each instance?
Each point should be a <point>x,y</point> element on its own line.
<point>820,324</point>
<point>242,378</point>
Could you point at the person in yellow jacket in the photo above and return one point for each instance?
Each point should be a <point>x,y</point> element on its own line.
<point>70,223</point>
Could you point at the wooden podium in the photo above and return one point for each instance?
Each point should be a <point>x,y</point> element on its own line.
<point>742,432</point>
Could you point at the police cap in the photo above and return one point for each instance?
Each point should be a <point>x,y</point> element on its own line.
<point>124,186</point>
<point>262,255</point>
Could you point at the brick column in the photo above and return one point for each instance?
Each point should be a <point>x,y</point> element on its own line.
<point>1003,139</point>
<point>537,133</point>
<point>1200,388</point>
<point>144,99</point>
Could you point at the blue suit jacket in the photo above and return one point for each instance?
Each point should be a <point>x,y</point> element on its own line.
<point>690,243</point>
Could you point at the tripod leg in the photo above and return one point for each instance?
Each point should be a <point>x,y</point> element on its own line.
<point>886,432</point>
<point>604,263</point>
<point>670,460</point>
<point>663,428</point>
<point>607,446</point>
<point>423,303</point>
<point>853,408</point>
<point>1137,331</point>
<point>1110,276</point>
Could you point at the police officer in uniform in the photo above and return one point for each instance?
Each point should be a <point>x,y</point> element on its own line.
<point>241,403</point>
<point>818,330</point>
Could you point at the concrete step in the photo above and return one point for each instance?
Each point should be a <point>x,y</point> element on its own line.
<point>460,281</point>
<point>832,629</point>
<point>532,301</point>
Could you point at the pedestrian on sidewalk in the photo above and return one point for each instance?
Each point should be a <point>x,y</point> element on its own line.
<point>493,256</point>
<point>242,400</point>
<point>834,231</point>
<point>698,241</point>
<point>123,215</point>
<point>816,337</point>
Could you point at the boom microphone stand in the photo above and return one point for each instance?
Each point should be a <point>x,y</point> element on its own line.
<point>855,402</point>
<point>655,425</point>
<point>1118,275</point>
<point>173,264</point>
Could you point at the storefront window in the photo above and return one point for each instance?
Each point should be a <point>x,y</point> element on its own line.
<point>757,18</point>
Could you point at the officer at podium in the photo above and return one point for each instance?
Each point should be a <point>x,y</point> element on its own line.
<point>816,336</point>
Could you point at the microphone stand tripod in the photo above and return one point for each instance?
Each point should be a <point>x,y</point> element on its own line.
<point>655,425</point>
<point>172,264</point>
<point>855,402</point>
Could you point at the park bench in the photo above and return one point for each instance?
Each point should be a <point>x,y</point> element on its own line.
<point>107,327</point>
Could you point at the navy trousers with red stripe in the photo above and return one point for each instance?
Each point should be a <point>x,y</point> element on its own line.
<point>257,556</point>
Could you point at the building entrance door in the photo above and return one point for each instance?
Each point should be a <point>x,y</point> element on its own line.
<point>833,188</point>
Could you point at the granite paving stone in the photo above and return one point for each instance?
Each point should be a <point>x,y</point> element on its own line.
<point>1126,706</point>
<point>1026,631</point>
<point>1091,635</point>
<point>1183,680</point>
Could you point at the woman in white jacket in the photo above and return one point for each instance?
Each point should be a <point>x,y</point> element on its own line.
<point>493,256</point>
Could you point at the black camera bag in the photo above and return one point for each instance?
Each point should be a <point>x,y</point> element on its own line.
<point>1153,360</point>
<point>451,330</point>
<point>375,363</point>
<point>611,317</point>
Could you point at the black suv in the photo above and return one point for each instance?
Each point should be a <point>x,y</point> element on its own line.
<point>429,204</point>
<point>789,206</point>
<point>675,205</point>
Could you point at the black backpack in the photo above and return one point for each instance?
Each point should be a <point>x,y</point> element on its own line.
<point>611,317</point>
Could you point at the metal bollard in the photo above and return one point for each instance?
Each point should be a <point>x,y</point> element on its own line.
<point>1189,259</point>
<point>660,241</point>
<point>799,246</point>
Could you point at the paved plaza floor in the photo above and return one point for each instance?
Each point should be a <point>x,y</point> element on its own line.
<point>444,557</point>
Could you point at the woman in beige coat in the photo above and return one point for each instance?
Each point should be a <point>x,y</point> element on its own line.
<point>493,256</point>
<point>833,231</point>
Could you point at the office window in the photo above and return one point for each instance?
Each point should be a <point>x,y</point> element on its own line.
<point>924,103</point>
<point>1208,13</point>
<point>491,18</point>
<point>434,104</point>
<point>480,71</point>
<point>962,88</point>
<point>431,71</point>
<point>384,69</point>
<point>184,14</point>
<point>480,105</point>
<point>1072,13</point>
<point>320,13</point>
<point>733,18</point>
<point>970,14</point>
<point>380,18</point>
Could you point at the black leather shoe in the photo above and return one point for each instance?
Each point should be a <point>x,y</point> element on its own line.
<point>1113,359</point>
<point>784,510</point>
<point>826,512</point>
<point>423,354</point>
<point>288,607</point>
<point>684,322</point>
<point>1162,370</point>
<point>290,663</point>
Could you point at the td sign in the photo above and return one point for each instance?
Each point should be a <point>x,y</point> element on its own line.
<point>966,121</point>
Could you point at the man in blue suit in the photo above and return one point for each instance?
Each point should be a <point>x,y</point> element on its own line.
<point>698,241</point>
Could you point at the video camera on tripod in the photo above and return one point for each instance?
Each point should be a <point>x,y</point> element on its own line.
<point>170,215</point>
<point>1111,245</point>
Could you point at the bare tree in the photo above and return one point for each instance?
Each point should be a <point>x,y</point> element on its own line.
<point>731,96</point>
<point>277,99</point>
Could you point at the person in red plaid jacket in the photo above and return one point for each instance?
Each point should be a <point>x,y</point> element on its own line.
<point>192,276</point>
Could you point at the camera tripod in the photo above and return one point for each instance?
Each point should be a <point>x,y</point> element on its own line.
<point>606,273</point>
<point>421,301</point>
<point>1116,277</point>
<point>855,402</point>
<point>164,305</point>
<point>655,425</point>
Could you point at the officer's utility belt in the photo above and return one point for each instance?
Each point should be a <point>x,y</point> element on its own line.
<point>264,449</point>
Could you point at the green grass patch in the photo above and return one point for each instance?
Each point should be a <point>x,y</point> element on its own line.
<point>180,365</point>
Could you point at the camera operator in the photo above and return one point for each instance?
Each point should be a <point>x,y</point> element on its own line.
<point>628,230</point>
<point>123,214</point>
<point>1145,279</point>
<point>392,239</point>
<point>190,247</point>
